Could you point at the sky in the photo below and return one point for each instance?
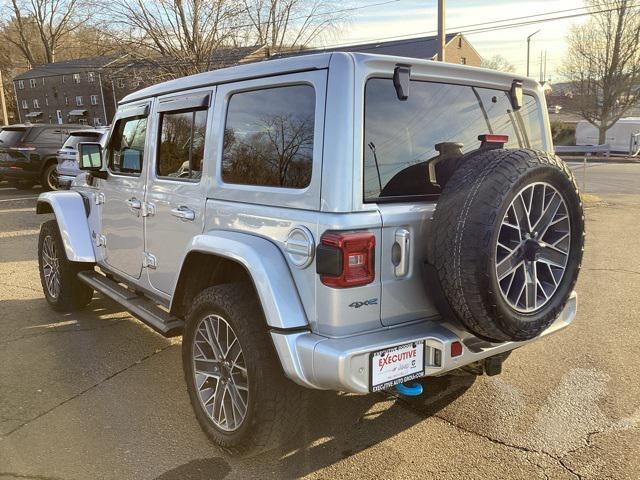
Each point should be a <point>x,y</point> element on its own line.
<point>406,17</point>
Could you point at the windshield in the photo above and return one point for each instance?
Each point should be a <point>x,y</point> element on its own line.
<point>11,137</point>
<point>76,138</point>
<point>437,120</point>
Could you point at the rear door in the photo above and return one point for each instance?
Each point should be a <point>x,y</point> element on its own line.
<point>175,195</point>
<point>402,139</point>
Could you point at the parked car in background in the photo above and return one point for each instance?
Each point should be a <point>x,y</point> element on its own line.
<point>67,161</point>
<point>28,153</point>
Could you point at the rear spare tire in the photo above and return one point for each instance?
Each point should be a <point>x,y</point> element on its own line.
<point>507,242</point>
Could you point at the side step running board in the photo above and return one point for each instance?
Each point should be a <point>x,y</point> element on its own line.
<point>138,305</point>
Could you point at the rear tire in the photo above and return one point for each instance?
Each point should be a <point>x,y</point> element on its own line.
<point>249,408</point>
<point>59,277</point>
<point>49,179</point>
<point>507,242</point>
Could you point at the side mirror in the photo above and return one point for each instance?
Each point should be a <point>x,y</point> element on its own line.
<point>90,159</point>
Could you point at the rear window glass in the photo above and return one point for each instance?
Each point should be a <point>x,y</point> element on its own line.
<point>9,137</point>
<point>437,120</point>
<point>268,138</point>
<point>74,139</point>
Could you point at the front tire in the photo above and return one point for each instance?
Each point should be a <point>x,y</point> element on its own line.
<point>239,394</point>
<point>59,277</point>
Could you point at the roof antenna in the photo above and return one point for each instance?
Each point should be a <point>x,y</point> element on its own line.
<point>372,146</point>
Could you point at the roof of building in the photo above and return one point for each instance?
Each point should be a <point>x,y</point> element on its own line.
<point>66,67</point>
<point>417,47</point>
<point>222,58</point>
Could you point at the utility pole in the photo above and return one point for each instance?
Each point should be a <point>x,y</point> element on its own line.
<point>545,66</point>
<point>441,31</point>
<point>3,102</point>
<point>529,48</point>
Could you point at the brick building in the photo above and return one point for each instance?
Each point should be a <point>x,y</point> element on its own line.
<point>88,90</point>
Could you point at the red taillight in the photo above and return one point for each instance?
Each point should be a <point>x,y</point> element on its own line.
<point>346,259</point>
<point>456,349</point>
<point>491,138</point>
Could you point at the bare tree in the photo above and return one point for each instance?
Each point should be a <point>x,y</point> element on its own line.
<point>38,27</point>
<point>280,24</point>
<point>498,62</point>
<point>187,33</point>
<point>603,63</point>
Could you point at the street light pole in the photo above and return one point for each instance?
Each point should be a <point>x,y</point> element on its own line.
<point>529,48</point>
<point>441,31</point>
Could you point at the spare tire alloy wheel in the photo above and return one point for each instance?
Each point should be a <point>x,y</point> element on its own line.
<point>533,247</point>
<point>220,373</point>
<point>507,241</point>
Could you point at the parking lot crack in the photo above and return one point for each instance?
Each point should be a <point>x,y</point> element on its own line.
<point>68,330</point>
<point>28,477</point>
<point>88,389</point>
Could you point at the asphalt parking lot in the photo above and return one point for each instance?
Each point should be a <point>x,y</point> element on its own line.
<point>98,395</point>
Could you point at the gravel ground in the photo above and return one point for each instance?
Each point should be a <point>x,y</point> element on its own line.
<point>98,395</point>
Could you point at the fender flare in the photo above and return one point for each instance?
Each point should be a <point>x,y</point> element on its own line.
<point>68,208</point>
<point>267,268</point>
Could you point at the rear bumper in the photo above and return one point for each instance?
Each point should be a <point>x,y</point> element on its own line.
<point>342,364</point>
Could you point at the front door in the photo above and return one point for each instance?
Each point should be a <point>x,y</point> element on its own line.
<point>175,193</point>
<point>123,192</point>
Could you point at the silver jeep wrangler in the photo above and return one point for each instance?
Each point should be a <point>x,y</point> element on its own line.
<point>335,221</point>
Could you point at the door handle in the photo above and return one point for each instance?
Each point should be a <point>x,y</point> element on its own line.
<point>184,213</point>
<point>400,253</point>
<point>134,203</point>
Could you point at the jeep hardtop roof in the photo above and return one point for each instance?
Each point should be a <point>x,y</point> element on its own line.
<point>293,64</point>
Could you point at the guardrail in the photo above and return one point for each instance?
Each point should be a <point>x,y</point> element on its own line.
<point>586,149</point>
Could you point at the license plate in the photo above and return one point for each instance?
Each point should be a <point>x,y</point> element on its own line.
<point>396,365</point>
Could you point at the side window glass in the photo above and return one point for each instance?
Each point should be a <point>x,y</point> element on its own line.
<point>268,138</point>
<point>126,151</point>
<point>181,144</point>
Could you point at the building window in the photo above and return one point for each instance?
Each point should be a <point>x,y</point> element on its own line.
<point>36,103</point>
<point>463,60</point>
<point>94,99</point>
<point>97,122</point>
<point>46,100</point>
<point>64,79</point>
<point>120,83</point>
<point>76,78</point>
<point>25,104</point>
<point>66,100</point>
<point>91,77</point>
<point>43,81</point>
<point>20,84</point>
<point>32,83</point>
<point>460,42</point>
<point>79,101</point>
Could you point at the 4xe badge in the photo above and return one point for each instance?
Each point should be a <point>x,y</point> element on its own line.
<point>371,301</point>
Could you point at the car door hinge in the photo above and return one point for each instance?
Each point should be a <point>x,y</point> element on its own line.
<point>99,240</point>
<point>148,209</point>
<point>100,198</point>
<point>149,261</point>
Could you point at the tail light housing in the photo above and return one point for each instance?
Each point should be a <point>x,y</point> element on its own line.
<point>346,259</point>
